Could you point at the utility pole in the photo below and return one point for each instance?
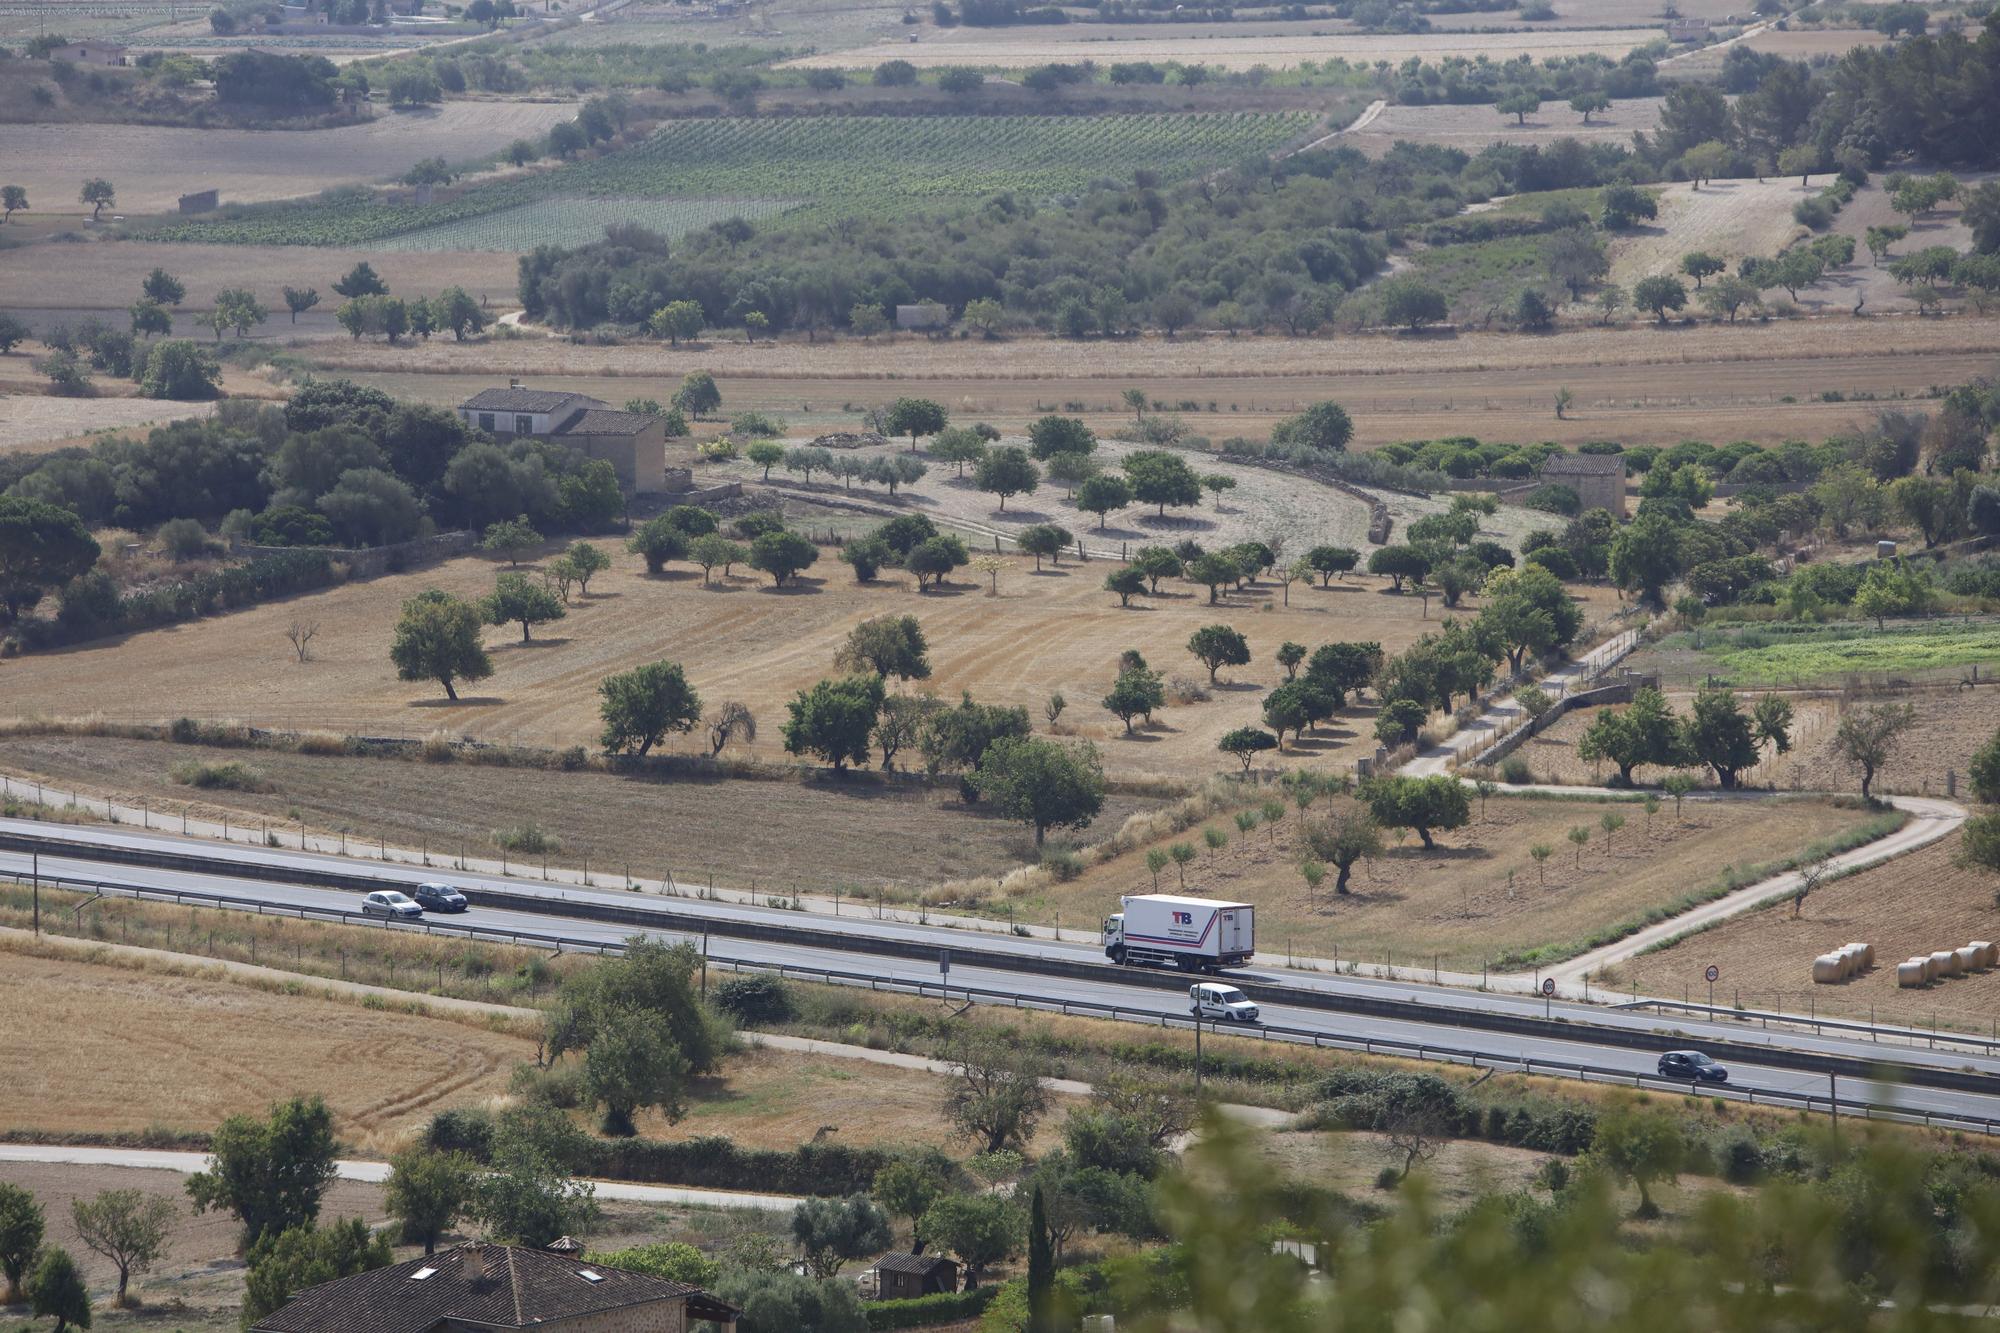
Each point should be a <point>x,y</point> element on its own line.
<point>1833,1099</point>
<point>35,876</point>
<point>1197,1056</point>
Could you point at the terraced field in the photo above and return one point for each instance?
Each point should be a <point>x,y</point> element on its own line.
<point>861,164</point>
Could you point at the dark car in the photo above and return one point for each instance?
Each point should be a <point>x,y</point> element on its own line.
<point>1692,1065</point>
<point>440,898</point>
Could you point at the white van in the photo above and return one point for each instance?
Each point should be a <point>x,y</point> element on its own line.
<point>1212,999</point>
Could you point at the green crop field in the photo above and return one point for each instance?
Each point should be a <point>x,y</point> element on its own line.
<point>854,164</point>
<point>1800,655</point>
<point>572,222</point>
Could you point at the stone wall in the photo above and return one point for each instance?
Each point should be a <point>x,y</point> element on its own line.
<point>373,561</point>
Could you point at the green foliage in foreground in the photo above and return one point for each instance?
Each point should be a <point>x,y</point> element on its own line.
<point>1783,655</point>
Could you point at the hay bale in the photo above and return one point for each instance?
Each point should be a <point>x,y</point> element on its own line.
<point>1989,954</point>
<point>1829,968</point>
<point>1945,963</point>
<point>1913,973</point>
<point>1966,959</point>
<point>1867,952</point>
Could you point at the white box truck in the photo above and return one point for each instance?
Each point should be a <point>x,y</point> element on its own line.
<point>1192,934</point>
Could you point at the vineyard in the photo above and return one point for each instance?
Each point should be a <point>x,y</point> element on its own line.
<point>577,221</point>
<point>860,164</point>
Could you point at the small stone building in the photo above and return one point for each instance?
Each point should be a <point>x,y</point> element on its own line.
<point>1597,479</point>
<point>634,443</point>
<point>900,1276</point>
<point>89,53</point>
<point>201,201</point>
<point>498,1287</point>
<point>1687,30</point>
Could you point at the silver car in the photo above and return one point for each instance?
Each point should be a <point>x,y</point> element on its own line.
<point>391,903</point>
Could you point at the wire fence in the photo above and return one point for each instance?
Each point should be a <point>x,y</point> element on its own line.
<point>1831,1101</point>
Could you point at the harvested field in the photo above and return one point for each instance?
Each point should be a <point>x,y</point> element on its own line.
<point>29,422</point>
<point>1792,44</point>
<point>1913,905</point>
<point>1950,725</point>
<point>154,165</point>
<point>779,1099</point>
<point>738,639</point>
<point>1727,218</point>
<point>1457,902</point>
<point>1266,505</point>
<point>87,1034</point>
<point>1735,218</point>
<point>830,832</point>
<point>1472,128</point>
<point>1223,47</point>
<point>1462,1172</point>
<point>1636,384</point>
<point>199,1266</point>
<point>105,275</point>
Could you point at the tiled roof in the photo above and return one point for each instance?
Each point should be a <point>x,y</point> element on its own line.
<point>488,1286</point>
<point>526,400</point>
<point>604,421</point>
<point>903,1262</point>
<point>1584,465</point>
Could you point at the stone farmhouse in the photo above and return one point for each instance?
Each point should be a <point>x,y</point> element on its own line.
<point>634,443</point>
<point>1597,479</point>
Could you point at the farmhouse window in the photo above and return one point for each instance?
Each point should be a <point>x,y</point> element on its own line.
<point>486,422</point>
<point>524,425</point>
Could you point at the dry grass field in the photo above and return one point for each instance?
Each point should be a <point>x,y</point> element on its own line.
<point>153,165</point>
<point>105,275</point>
<point>1265,505</point>
<point>30,421</point>
<point>1950,726</point>
<point>87,1034</point>
<point>1223,47</point>
<point>1472,128</point>
<point>738,639</point>
<point>1792,44</point>
<point>1727,218</point>
<point>1636,384</point>
<point>1457,902</point>
<point>1912,905</point>
<point>819,833</point>
<point>1462,1172</point>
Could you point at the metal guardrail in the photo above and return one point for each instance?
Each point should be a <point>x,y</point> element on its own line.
<point>1117,1013</point>
<point>1873,1031</point>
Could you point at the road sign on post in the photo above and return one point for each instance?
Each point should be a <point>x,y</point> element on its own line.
<point>944,962</point>
<point>1548,996</point>
<point>1713,974</point>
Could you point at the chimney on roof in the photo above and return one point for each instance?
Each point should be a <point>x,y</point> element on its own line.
<point>477,1271</point>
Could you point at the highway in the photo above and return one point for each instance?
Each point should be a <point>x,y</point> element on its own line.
<point>1464,1021</point>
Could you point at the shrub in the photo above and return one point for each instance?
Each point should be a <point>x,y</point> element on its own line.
<point>946,1307</point>
<point>755,999</point>
<point>1742,1161</point>
<point>230,776</point>
<point>528,839</point>
<point>466,1129</point>
<point>1063,863</point>
<point>1515,770</point>
<point>1388,1178</point>
<point>183,538</point>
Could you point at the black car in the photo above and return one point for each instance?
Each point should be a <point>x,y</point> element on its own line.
<point>1692,1065</point>
<point>440,898</point>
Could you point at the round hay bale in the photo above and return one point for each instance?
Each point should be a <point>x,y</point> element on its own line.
<point>1966,959</point>
<point>1829,968</point>
<point>1912,973</point>
<point>1867,952</point>
<point>1988,954</point>
<point>1945,963</point>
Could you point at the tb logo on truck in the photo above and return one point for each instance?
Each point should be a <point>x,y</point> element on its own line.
<point>1184,918</point>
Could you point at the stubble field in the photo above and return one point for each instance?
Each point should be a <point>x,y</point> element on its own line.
<point>738,639</point>
<point>1471,128</point>
<point>86,1034</point>
<point>1479,897</point>
<point>774,834</point>
<point>1915,904</point>
<point>1635,384</point>
<point>153,165</point>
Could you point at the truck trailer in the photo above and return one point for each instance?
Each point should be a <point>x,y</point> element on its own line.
<point>1191,934</point>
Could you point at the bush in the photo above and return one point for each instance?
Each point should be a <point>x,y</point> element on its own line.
<point>468,1130</point>
<point>1062,863</point>
<point>928,1311</point>
<point>183,538</point>
<point>755,999</point>
<point>229,777</point>
<point>1742,1161</point>
<point>829,1169</point>
<point>1555,498</point>
<point>526,839</point>
<point>1516,772</point>
<point>1388,1178</point>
